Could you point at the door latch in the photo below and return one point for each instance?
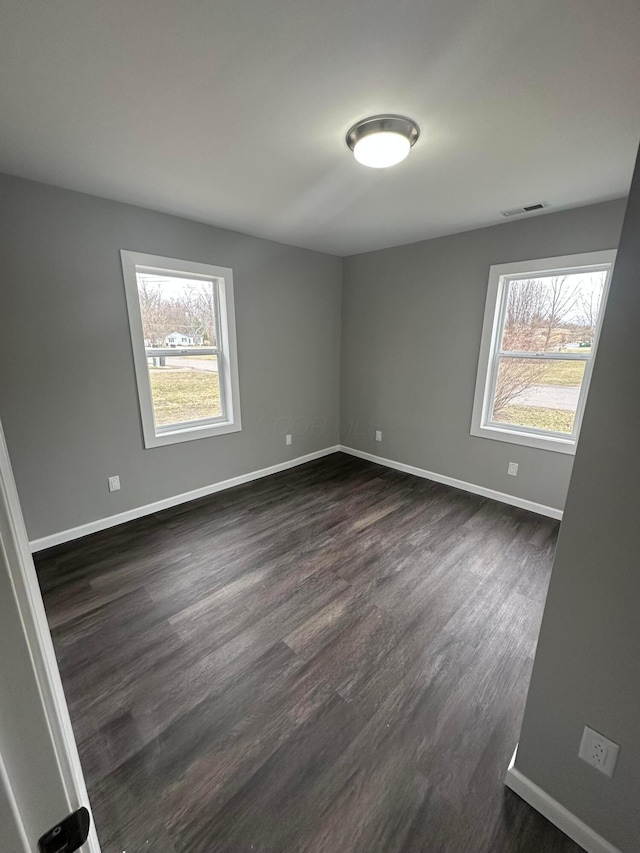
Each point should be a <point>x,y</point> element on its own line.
<point>68,835</point>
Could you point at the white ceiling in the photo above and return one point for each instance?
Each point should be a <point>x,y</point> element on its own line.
<point>234,112</point>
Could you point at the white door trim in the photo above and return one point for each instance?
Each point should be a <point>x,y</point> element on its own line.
<point>36,628</point>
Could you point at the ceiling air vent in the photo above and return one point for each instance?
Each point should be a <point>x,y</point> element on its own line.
<point>528,208</point>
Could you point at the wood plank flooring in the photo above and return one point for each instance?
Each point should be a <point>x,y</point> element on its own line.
<point>331,659</point>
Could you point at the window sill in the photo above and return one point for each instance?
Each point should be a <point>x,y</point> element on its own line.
<point>190,433</point>
<point>526,439</point>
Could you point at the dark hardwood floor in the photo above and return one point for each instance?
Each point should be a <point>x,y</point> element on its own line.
<point>330,659</point>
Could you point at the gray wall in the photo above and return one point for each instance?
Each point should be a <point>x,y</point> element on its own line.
<point>412,321</point>
<point>411,325</point>
<point>587,667</point>
<point>67,387</point>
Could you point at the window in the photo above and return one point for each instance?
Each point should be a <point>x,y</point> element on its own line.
<point>182,325</point>
<point>541,327</point>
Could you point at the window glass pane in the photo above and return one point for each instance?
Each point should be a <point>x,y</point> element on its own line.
<point>184,388</point>
<point>538,394</point>
<point>555,313</point>
<point>176,311</point>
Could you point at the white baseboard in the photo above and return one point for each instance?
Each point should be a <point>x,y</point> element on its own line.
<point>175,500</point>
<point>185,497</point>
<point>556,813</point>
<point>504,498</point>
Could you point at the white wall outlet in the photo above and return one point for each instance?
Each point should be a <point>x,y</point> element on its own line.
<point>378,435</point>
<point>114,483</point>
<point>598,751</point>
<point>512,469</point>
<point>288,439</point>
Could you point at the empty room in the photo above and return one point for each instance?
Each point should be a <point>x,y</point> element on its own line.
<point>319,426</point>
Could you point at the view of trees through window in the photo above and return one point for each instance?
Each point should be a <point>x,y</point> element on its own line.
<point>548,330</point>
<point>180,314</point>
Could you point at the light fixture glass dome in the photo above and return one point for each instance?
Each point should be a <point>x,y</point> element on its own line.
<point>382,141</point>
<point>383,149</point>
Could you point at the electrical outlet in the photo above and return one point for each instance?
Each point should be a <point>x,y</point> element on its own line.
<point>512,469</point>
<point>114,483</point>
<point>598,751</point>
<point>288,439</point>
<point>378,435</point>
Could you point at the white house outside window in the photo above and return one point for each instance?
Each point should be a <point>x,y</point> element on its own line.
<point>181,317</point>
<point>539,340</point>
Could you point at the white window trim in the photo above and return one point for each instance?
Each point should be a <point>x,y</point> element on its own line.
<point>227,350</point>
<point>498,276</point>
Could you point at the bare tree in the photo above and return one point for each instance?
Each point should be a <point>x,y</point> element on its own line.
<point>525,306</point>
<point>190,311</point>
<point>537,320</point>
<point>515,375</point>
<point>198,304</point>
<point>561,301</point>
<point>158,316</point>
<point>589,306</point>
<point>523,330</point>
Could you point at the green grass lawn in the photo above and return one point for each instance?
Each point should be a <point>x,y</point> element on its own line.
<point>562,373</point>
<point>184,395</point>
<point>558,420</point>
<point>187,395</point>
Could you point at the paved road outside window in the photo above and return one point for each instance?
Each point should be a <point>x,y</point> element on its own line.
<point>549,397</point>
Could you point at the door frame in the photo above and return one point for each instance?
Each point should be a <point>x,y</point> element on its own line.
<point>30,606</point>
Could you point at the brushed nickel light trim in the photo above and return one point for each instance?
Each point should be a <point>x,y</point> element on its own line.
<point>401,126</point>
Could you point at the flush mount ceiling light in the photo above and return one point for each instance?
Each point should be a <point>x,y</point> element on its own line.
<point>382,141</point>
